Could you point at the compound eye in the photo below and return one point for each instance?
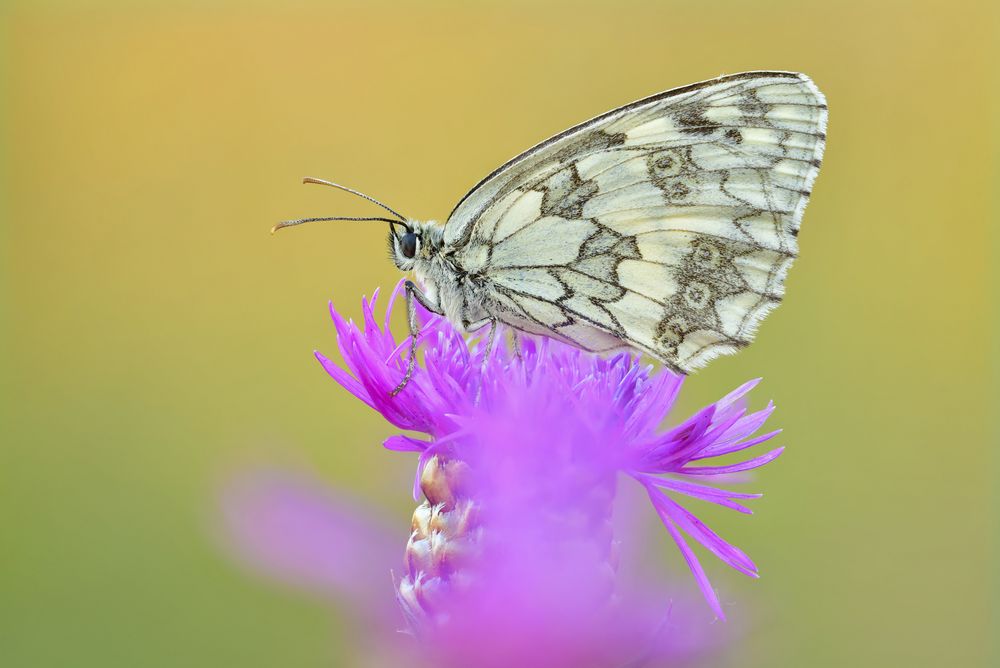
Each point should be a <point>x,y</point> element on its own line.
<point>408,244</point>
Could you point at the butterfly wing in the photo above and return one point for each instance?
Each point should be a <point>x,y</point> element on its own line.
<point>666,225</point>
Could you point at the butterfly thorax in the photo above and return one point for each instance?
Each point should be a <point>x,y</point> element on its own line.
<point>443,281</point>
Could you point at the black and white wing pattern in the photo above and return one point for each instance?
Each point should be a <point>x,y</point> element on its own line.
<point>666,225</point>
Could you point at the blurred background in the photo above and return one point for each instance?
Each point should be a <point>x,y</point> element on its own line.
<point>156,338</point>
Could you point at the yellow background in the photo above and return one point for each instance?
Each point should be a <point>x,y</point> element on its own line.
<point>155,337</point>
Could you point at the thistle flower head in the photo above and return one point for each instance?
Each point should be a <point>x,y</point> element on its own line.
<point>512,557</point>
<point>541,436</point>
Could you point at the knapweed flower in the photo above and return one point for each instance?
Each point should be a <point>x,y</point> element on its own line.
<point>511,556</point>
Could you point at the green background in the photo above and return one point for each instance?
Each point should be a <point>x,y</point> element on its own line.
<point>156,338</point>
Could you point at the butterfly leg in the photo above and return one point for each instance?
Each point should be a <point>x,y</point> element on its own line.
<point>515,344</point>
<point>414,295</point>
<point>490,341</point>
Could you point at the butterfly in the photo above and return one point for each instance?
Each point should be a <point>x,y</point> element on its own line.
<point>665,226</point>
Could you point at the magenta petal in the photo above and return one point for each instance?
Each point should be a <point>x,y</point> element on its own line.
<point>692,562</point>
<point>734,468</point>
<point>368,313</point>
<point>736,446</point>
<point>730,554</point>
<point>344,379</point>
<point>702,491</point>
<point>401,443</point>
<point>738,393</point>
<point>394,354</point>
<point>705,493</point>
<point>743,428</point>
<point>674,447</point>
<point>396,291</point>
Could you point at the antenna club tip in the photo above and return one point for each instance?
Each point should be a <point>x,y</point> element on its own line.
<point>275,228</point>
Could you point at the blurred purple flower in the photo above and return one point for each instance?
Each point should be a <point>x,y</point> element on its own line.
<point>288,526</point>
<point>512,557</point>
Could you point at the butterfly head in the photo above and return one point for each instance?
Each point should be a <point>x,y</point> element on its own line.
<point>412,243</point>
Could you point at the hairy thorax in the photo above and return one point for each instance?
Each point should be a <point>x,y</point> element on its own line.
<point>445,283</point>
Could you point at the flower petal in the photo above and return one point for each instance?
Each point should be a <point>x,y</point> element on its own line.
<point>692,562</point>
<point>730,554</point>
<point>756,462</point>
<point>737,394</point>
<point>721,497</point>
<point>400,443</point>
<point>735,446</point>
<point>344,379</point>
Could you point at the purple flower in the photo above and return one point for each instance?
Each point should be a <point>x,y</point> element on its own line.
<point>552,405</point>
<point>513,558</point>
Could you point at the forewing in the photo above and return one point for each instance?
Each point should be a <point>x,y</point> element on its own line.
<point>667,225</point>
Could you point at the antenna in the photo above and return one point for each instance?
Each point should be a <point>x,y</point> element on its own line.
<point>291,223</point>
<point>321,182</point>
